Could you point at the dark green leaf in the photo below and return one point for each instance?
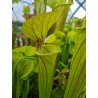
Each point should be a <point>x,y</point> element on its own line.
<point>25,89</point>
<point>56,93</point>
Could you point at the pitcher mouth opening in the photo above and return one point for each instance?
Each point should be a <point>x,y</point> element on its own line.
<point>49,49</point>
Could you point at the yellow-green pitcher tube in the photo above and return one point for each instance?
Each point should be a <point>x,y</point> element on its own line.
<point>47,64</point>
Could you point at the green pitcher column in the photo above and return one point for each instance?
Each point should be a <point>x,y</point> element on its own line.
<point>47,64</point>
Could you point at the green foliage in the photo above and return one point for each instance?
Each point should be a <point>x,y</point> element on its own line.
<point>84,21</point>
<point>25,88</point>
<point>37,27</point>
<point>54,3</point>
<point>56,93</point>
<point>75,22</point>
<point>25,50</point>
<point>71,36</point>
<point>61,77</point>
<point>15,1</point>
<point>55,38</point>
<point>50,39</point>
<point>59,34</point>
<point>35,69</point>
<point>47,55</point>
<point>40,6</point>
<point>31,30</point>
<point>47,32</point>
<point>23,69</point>
<point>77,75</point>
<point>26,66</point>
<point>22,53</point>
<point>65,70</point>
<point>22,66</point>
<point>71,48</point>
<point>26,9</point>
<point>57,42</point>
<point>64,10</point>
<point>20,73</point>
<point>47,62</point>
<point>65,54</point>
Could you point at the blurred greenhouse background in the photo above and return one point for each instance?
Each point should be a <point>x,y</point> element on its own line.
<point>78,9</point>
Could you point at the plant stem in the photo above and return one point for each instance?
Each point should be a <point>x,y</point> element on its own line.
<point>40,6</point>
